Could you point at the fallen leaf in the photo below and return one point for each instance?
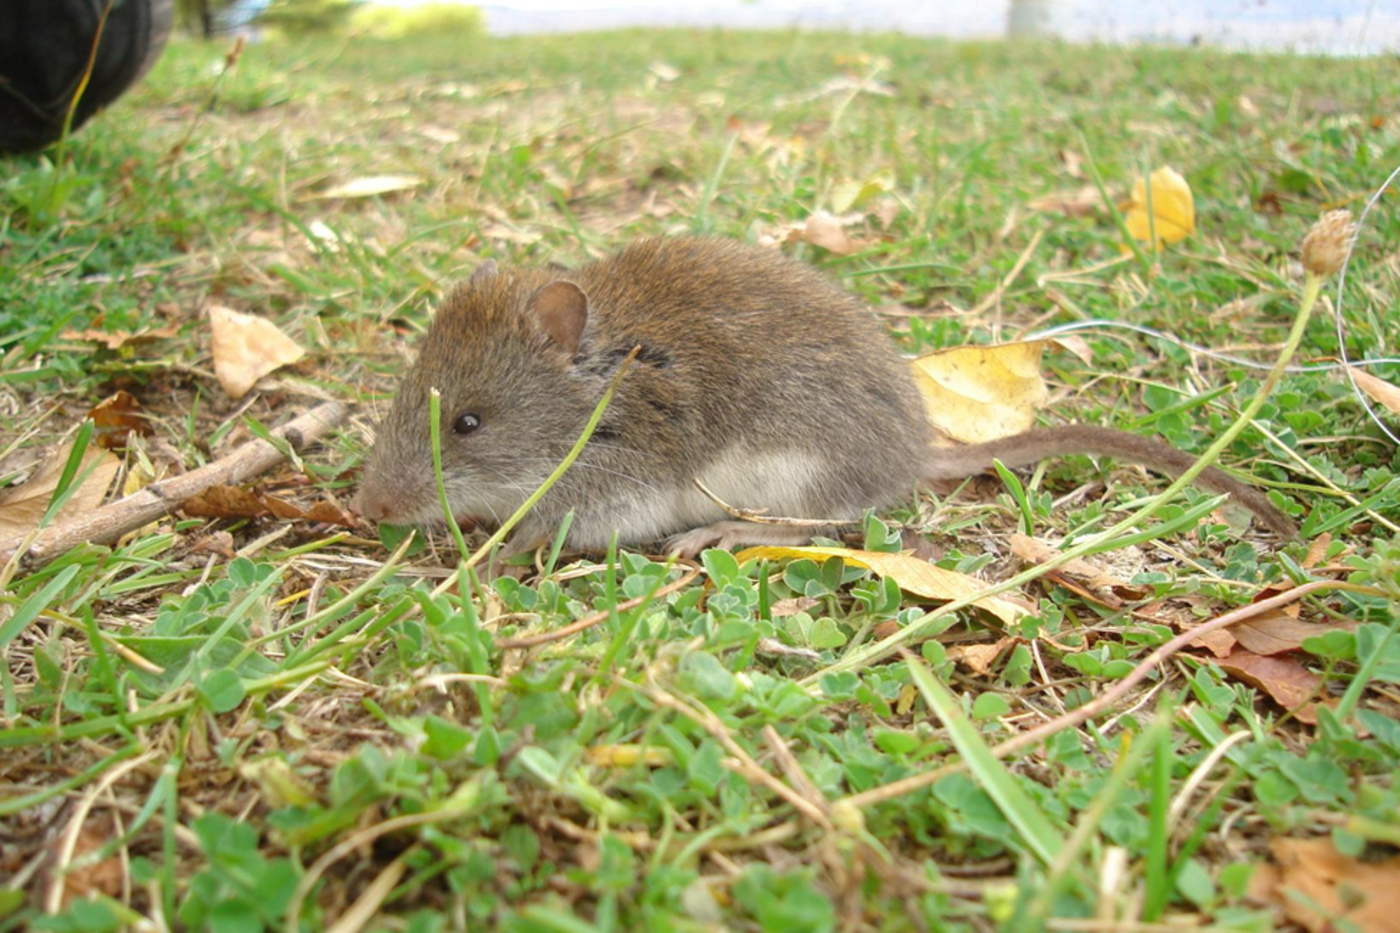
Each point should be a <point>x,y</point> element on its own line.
<point>856,192</point>
<point>1317,550</point>
<point>1288,682</point>
<point>1173,212</point>
<point>1278,631</point>
<point>792,606</point>
<point>663,71</point>
<point>775,647</point>
<point>1074,344</point>
<point>828,231</point>
<point>1101,585</point>
<point>1079,203</point>
<point>851,84</point>
<point>21,507</point>
<point>246,348</point>
<point>1218,642</point>
<point>219,542</point>
<point>886,211</point>
<point>103,876</point>
<point>321,235</point>
<point>370,186</point>
<point>1379,390</point>
<point>329,513</point>
<point>115,417</point>
<point>116,340</point>
<point>629,755</point>
<point>281,508</point>
<point>1073,162</point>
<point>978,658</point>
<point>1319,888</point>
<point>509,234</point>
<point>228,502</point>
<point>440,134</point>
<point>913,575</point>
<point>976,394</point>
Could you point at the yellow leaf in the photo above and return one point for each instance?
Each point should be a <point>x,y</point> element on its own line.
<point>912,574</point>
<point>1173,209</point>
<point>855,192</point>
<point>625,756</point>
<point>246,348</point>
<point>977,394</point>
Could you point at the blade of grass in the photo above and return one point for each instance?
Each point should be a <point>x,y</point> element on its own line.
<point>992,776</point>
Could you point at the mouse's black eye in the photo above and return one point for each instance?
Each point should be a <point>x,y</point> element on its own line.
<point>466,423</point>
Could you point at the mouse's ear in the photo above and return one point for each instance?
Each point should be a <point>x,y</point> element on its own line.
<point>485,271</point>
<point>562,311</point>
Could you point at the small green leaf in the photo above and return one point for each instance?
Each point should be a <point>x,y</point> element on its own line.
<point>989,706</point>
<point>446,740</point>
<point>703,675</point>
<point>720,566</point>
<point>391,536</point>
<point>897,743</point>
<point>827,634</point>
<point>222,690</point>
<point>1194,883</point>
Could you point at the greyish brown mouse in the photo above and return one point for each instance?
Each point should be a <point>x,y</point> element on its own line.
<point>756,375</point>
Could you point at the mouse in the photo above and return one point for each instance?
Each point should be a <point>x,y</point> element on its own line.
<point>754,373</point>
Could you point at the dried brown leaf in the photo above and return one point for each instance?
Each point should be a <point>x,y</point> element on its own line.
<point>115,417</point>
<point>228,502</point>
<point>1333,887</point>
<point>1279,631</point>
<point>246,348</point>
<point>979,658</point>
<point>829,232</point>
<point>329,513</point>
<point>21,507</point>
<point>1101,584</point>
<point>1379,390</point>
<point>1288,682</point>
<point>116,340</point>
<point>1081,203</point>
<point>792,606</point>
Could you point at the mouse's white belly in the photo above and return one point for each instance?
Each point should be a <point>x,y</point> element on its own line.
<point>781,482</point>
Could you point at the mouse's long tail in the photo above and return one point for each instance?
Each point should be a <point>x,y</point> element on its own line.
<point>1043,443</point>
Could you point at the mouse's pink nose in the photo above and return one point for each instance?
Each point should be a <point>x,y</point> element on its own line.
<point>375,505</point>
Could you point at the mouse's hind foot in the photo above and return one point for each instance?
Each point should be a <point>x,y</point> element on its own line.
<point>731,534</point>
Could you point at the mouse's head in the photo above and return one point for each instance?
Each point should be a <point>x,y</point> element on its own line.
<point>499,351</point>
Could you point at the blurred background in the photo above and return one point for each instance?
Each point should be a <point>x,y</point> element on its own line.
<point>1338,27</point>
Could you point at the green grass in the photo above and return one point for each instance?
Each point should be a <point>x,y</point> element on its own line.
<point>215,743</point>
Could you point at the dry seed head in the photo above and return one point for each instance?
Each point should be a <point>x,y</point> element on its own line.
<point>1326,246</point>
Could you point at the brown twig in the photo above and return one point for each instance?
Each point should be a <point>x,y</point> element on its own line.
<point>1109,697</point>
<point>107,524</point>
<point>740,760</point>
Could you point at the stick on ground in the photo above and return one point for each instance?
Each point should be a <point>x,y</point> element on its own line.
<point>107,524</point>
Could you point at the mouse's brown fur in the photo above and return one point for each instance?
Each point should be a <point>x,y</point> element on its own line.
<point>756,375</point>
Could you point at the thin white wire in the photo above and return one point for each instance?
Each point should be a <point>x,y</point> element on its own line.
<point>1345,365</point>
<point>1341,288</point>
<point>1097,324</point>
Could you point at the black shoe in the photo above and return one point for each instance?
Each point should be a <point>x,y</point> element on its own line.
<point>44,51</point>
